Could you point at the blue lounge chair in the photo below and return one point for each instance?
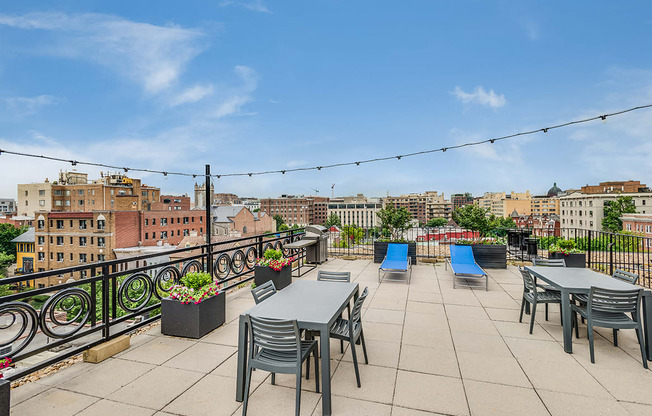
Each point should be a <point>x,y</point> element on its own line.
<point>464,266</point>
<point>396,260</point>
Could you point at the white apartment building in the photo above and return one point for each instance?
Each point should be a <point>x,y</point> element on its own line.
<point>34,197</point>
<point>585,211</point>
<point>7,205</point>
<point>358,210</point>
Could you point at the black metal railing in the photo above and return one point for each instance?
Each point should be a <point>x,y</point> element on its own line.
<point>602,251</point>
<point>117,297</point>
<point>430,242</point>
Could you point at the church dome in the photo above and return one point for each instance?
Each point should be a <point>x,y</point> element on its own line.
<point>554,191</point>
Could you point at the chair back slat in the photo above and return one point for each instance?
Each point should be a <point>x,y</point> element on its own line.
<point>328,276</point>
<point>263,291</point>
<point>549,262</point>
<point>462,254</point>
<point>397,251</point>
<point>528,280</point>
<point>626,276</point>
<point>273,334</point>
<point>606,300</point>
<point>357,307</point>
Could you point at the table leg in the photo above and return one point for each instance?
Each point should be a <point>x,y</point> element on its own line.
<point>647,322</point>
<point>566,318</point>
<point>242,359</point>
<point>324,340</point>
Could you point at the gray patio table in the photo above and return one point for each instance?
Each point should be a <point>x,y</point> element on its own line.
<point>316,306</point>
<point>569,280</point>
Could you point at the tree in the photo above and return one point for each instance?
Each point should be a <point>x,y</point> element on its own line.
<point>283,227</point>
<point>613,210</point>
<point>5,260</point>
<point>7,233</point>
<point>436,222</point>
<point>352,233</point>
<point>394,220</point>
<point>474,217</point>
<point>333,220</point>
<point>279,222</point>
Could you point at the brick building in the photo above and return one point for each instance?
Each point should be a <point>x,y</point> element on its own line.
<point>422,207</point>
<point>169,226</point>
<point>639,223</point>
<point>73,193</point>
<point>299,210</point>
<point>459,200</point>
<point>615,187</point>
<point>171,203</point>
<point>238,221</point>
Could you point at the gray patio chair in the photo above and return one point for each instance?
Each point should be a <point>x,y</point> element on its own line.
<point>328,276</point>
<point>534,297</point>
<point>276,346</point>
<point>619,274</point>
<point>262,292</point>
<point>548,263</point>
<point>351,330</point>
<point>608,309</point>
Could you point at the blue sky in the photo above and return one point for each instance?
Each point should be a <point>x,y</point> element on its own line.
<point>257,84</point>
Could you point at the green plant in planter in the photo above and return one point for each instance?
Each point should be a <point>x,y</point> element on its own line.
<point>274,259</point>
<point>565,247</point>
<point>394,221</point>
<point>196,280</point>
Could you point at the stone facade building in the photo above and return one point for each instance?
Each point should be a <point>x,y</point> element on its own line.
<point>422,207</point>
<point>585,211</point>
<point>358,210</point>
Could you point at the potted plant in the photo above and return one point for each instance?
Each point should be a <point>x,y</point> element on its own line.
<point>393,224</point>
<point>565,249</point>
<point>194,307</point>
<point>489,252</point>
<point>273,266</point>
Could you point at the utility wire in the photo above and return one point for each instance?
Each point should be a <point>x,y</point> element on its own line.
<point>602,117</point>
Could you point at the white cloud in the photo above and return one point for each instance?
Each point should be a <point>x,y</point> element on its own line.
<point>153,56</point>
<point>480,96</point>
<point>241,95</point>
<point>192,95</point>
<point>29,105</point>
<point>254,5</point>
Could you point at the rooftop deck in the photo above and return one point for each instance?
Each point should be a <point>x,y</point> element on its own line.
<point>432,350</point>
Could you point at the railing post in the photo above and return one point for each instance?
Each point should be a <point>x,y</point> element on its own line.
<point>105,303</point>
<point>260,247</point>
<point>611,254</point>
<point>93,298</point>
<point>588,249</point>
<point>114,292</point>
<point>208,222</point>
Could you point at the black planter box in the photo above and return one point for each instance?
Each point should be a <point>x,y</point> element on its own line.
<point>190,320</point>
<point>281,279</point>
<point>4,397</point>
<point>572,260</point>
<point>380,251</point>
<point>490,256</point>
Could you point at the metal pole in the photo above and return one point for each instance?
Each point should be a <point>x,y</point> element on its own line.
<point>208,222</point>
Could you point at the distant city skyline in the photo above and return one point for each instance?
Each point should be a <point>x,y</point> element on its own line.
<point>249,86</point>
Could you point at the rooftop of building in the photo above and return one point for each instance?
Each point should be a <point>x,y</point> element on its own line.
<point>26,237</point>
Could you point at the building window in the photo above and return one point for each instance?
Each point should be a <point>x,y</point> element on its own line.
<point>82,224</point>
<point>164,234</point>
<point>59,224</point>
<point>146,221</point>
<point>81,202</point>
<point>41,224</point>
<point>82,241</point>
<point>146,236</point>
<point>41,202</point>
<point>101,224</point>
<point>164,221</point>
<point>82,257</point>
<point>186,232</point>
<point>153,221</point>
<point>185,220</point>
<point>40,193</point>
<point>41,240</point>
<point>154,236</point>
<point>83,274</point>
<point>60,257</point>
<point>101,241</point>
<point>101,257</point>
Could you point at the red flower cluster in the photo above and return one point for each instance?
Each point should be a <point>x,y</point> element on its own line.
<point>4,363</point>
<point>277,265</point>
<point>188,295</point>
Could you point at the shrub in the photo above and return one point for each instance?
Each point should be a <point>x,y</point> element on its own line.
<point>271,254</point>
<point>196,280</point>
